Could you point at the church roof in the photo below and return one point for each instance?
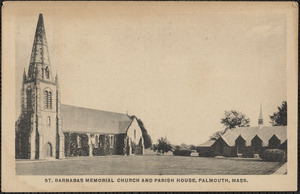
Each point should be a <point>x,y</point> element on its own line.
<point>85,120</point>
<point>248,133</point>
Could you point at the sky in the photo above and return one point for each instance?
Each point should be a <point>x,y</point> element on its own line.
<point>176,71</point>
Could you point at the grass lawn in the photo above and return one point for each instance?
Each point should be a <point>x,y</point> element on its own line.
<point>145,165</point>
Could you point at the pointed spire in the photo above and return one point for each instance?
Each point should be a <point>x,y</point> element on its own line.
<point>57,81</point>
<point>24,75</point>
<point>260,113</point>
<point>260,119</point>
<point>39,67</point>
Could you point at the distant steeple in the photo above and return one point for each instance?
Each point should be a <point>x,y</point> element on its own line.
<point>39,67</point>
<point>260,119</point>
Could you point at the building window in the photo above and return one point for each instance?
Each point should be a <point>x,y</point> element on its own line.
<point>29,97</point>
<point>96,141</point>
<point>48,121</point>
<point>111,141</point>
<point>134,134</point>
<point>48,99</point>
<point>49,150</point>
<point>79,142</point>
<point>47,73</point>
<point>43,72</point>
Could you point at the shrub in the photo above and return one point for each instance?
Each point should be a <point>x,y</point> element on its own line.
<point>162,146</point>
<point>133,147</point>
<point>272,155</point>
<point>248,153</point>
<point>182,152</point>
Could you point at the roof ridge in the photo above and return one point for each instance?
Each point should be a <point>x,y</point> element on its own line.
<point>94,109</point>
<point>275,126</point>
<point>245,127</point>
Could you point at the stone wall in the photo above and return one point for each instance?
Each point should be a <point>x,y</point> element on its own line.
<point>103,146</point>
<point>22,144</point>
<point>138,149</point>
<point>71,145</point>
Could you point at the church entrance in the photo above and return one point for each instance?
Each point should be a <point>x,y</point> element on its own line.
<point>49,150</point>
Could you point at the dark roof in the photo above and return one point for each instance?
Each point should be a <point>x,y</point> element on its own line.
<point>86,120</point>
<point>248,133</point>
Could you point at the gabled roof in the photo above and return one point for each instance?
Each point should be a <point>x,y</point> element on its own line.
<point>207,143</point>
<point>124,125</point>
<point>85,120</point>
<point>248,133</point>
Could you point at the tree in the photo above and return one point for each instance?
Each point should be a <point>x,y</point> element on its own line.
<point>216,135</point>
<point>234,119</point>
<point>280,118</point>
<point>231,120</point>
<point>192,147</point>
<point>146,136</point>
<point>162,146</point>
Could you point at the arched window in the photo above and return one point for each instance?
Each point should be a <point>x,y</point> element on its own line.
<point>49,150</point>
<point>48,99</point>
<point>111,141</point>
<point>47,73</point>
<point>79,142</point>
<point>134,134</point>
<point>49,121</point>
<point>96,141</point>
<point>29,97</point>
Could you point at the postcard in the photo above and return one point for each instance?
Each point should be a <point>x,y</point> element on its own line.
<point>149,96</point>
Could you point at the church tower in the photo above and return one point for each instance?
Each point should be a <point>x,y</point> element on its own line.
<point>38,130</point>
<point>260,119</point>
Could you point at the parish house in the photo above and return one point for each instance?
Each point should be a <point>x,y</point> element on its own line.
<point>246,141</point>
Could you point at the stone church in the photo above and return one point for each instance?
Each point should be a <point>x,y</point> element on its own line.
<point>48,129</point>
